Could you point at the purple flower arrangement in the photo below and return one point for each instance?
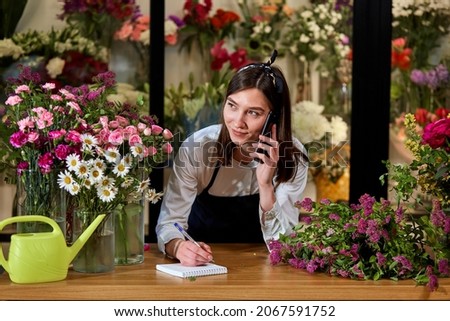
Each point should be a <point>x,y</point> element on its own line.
<point>433,78</point>
<point>370,240</point>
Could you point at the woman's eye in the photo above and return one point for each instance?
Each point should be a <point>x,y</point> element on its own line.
<point>254,113</point>
<point>231,105</point>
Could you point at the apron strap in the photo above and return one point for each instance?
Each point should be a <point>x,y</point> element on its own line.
<point>213,178</point>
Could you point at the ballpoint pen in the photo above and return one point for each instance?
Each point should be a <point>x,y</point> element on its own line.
<point>186,235</point>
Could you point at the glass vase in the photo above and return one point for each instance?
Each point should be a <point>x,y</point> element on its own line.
<point>39,194</point>
<point>97,254</point>
<point>129,234</point>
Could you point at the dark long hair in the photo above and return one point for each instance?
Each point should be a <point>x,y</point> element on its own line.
<point>271,82</point>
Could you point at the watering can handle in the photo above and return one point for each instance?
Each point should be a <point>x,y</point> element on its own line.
<point>29,218</point>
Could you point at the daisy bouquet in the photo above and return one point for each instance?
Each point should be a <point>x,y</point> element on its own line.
<point>113,164</point>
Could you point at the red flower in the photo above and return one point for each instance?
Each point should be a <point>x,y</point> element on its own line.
<point>400,56</point>
<point>421,115</point>
<point>223,18</point>
<point>196,12</point>
<point>79,68</point>
<point>238,58</point>
<point>442,112</point>
<point>220,55</point>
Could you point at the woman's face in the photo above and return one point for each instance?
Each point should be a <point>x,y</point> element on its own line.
<point>244,114</point>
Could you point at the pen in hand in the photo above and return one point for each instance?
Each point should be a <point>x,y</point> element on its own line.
<point>186,235</point>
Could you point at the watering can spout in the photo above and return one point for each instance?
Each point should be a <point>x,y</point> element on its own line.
<point>84,237</point>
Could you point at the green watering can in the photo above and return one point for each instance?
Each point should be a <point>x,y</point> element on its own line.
<point>41,257</point>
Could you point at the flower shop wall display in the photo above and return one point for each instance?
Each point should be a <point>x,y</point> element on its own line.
<point>99,153</point>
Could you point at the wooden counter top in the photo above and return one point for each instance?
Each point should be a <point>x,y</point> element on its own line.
<point>250,277</point>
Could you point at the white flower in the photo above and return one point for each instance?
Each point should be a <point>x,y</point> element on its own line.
<point>73,162</point>
<point>9,49</point>
<point>137,151</point>
<point>152,196</point>
<point>304,38</point>
<point>170,27</point>
<point>55,67</point>
<point>89,141</point>
<point>338,129</point>
<point>308,123</point>
<point>121,169</point>
<point>82,170</point>
<point>317,47</point>
<point>96,174</point>
<point>128,159</point>
<point>74,188</point>
<point>127,182</point>
<point>107,182</point>
<point>112,155</point>
<point>145,37</point>
<point>144,185</point>
<point>106,194</point>
<point>65,180</point>
<point>98,163</point>
<point>87,183</point>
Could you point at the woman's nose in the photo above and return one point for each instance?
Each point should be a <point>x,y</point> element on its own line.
<point>239,119</point>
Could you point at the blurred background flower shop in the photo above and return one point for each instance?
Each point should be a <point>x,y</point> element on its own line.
<point>205,41</point>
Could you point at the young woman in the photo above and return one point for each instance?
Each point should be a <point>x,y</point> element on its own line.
<point>229,182</point>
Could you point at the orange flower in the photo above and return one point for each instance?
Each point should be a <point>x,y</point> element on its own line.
<point>269,9</point>
<point>223,18</point>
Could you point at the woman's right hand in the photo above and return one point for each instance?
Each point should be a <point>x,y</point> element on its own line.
<point>190,254</point>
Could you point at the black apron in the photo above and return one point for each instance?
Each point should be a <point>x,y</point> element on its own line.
<point>223,219</point>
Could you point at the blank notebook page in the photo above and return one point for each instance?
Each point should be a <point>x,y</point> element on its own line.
<point>176,269</point>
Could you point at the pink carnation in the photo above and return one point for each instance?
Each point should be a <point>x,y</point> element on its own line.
<point>13,100</point>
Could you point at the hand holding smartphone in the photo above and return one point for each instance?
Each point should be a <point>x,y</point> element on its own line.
<point>272,118</point>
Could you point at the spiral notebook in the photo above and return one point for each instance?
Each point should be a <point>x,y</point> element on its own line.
<point>176,269</point>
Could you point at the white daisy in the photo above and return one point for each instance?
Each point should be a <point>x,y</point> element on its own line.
<point>99,163</point>
<point>106,182</point>
<point>121,169</point>
<point>112,155</point>
<point>106,194</point>
<point>83,170</point>
<point>128,159</point>
<point>65,180</point>
<point>96,174</point>
<point>137,151</point>
<point>89,141</point>
<point>127,182</point>
<point>152,196</point>
<point>144,185</point>
<point>74,188</point>
<point>87,183</point>
<point>73,162</point>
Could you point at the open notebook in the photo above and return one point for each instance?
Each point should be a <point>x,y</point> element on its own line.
<point>182,271</point>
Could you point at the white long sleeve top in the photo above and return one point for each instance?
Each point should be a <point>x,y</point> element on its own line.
<point>192,171</point>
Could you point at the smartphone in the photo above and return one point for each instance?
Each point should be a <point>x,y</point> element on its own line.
<point>272,118</point>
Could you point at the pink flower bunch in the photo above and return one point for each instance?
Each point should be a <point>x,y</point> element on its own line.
<point>52,128</point>
<point>135,29</point>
